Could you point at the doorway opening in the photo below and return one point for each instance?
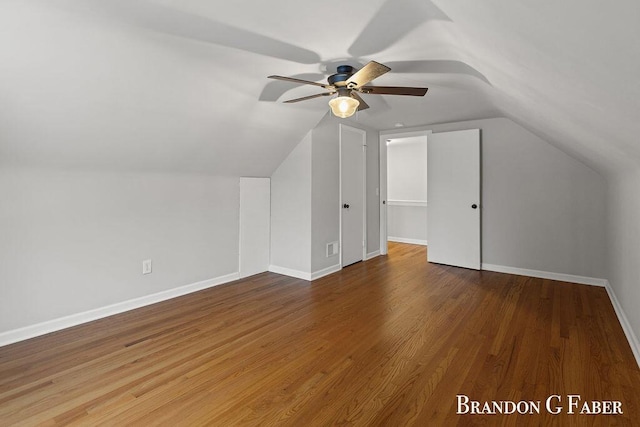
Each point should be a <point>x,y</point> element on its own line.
<point>454,181</point>
<point>407,190</point>
<point>403,188</point>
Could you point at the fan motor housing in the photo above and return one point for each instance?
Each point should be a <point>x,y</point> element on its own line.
<point>343,74</point>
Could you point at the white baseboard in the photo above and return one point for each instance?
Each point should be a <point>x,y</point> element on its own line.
<point>372,255</point>
<point>405,240</point>
<point>54,325</point>
<point>290,272</point>
<point>304,275</point>
<point>624,322</point>
<point>561,277</point>
<point>325,271</point>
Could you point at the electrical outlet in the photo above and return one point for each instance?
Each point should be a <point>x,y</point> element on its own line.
<point>146,266</point>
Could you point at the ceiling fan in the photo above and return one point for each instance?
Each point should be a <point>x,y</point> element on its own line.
<point>348,82</point>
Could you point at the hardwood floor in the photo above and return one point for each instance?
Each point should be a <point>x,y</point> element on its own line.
<point>391,341</point>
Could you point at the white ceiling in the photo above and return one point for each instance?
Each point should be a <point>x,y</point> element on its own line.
<point>166,85</point>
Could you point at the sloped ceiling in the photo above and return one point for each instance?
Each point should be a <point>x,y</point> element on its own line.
<point>162,85</point>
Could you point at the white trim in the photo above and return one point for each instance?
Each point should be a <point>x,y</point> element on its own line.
<point>410,241</point>
<point>54,325</point>
<point>290,272</point>
<point>371,255</point>
<point>624,322</point>
<point>364,196</point>
<point>326,271</point>
<point>382,200</point>
<point>545,275</point>
<point>304,275</point>
<point>419,203</point>
<point>405,132</point>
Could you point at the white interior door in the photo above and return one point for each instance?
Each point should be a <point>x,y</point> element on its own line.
<point>352,196</point>
<point>255,225</point>
<point>453,192</point>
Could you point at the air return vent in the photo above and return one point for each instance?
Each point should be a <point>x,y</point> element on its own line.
<point>332,249</point>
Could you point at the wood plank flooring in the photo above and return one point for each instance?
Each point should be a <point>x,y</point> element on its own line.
<point>390,341</point>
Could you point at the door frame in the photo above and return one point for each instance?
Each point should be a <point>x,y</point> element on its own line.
<point>384,136</point>
<point>363,133</point>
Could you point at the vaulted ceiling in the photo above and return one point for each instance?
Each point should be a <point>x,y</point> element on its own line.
<point>167,85</point>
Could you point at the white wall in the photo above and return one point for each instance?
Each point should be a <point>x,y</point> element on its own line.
<point>255,225</point>
<point>407,189</point>
<point>326,190</point>
<point>407,169</point>
<point>305,209</point>
<point>407,224</point>
<point>291,212</point>
<point>623,247</point>
<point>74,241</point>
<point>325,193</point>
<point>373,191</point>
<point>541,209</point>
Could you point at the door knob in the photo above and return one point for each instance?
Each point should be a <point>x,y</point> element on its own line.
<point>345,206</point>
<point>474,206</point>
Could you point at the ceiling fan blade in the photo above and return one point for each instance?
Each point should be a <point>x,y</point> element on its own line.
<point>294,80</point>
<point>437,66</point>
<point>304,98</point>
<point>394,90</point>
<point>275,89</point>
<point>363,105</point>
<point>367,73</point>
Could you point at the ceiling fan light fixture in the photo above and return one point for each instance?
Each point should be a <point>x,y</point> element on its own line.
<point>346,84</point>
<point>344,106</point>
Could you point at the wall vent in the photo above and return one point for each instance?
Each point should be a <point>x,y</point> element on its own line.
<point>332,249</point>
